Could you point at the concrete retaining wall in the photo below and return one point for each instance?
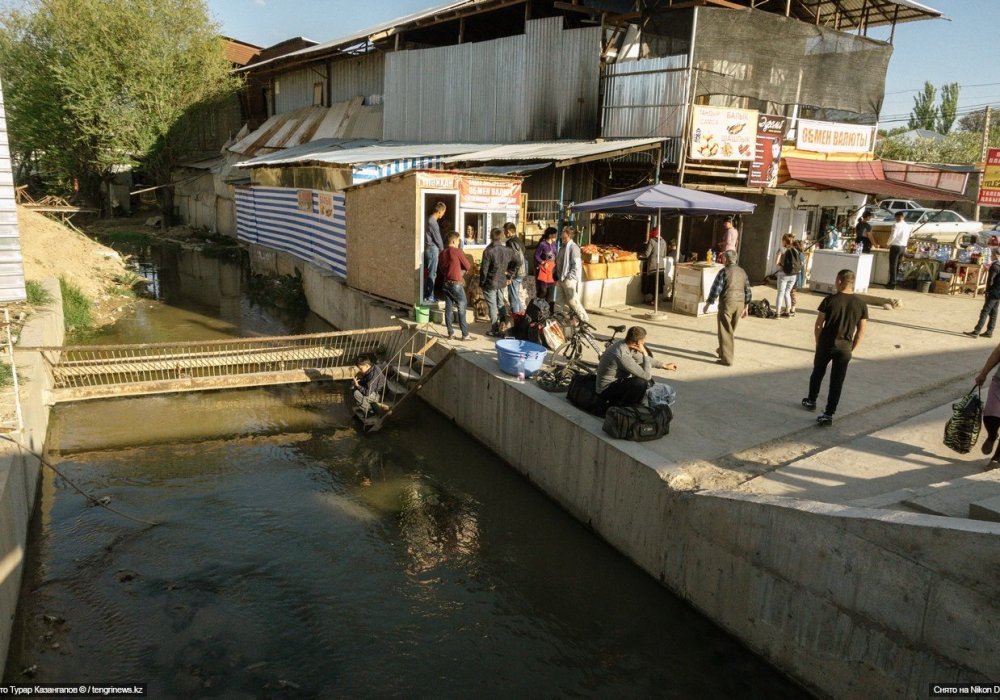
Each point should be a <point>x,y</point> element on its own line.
<point>850,602</point>
<point>19,470</point>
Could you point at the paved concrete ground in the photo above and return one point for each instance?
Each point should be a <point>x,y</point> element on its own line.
<point>743,427</point>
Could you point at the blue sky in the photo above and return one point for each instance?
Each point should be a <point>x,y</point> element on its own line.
<point>941,51</point>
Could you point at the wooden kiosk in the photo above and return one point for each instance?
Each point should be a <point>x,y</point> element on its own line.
<point>386,220</point>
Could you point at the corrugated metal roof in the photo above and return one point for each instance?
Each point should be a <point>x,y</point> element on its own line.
<point>333,152</point>
<point>11,261</point>
<point>553,150</point>
<point>363,35</point>
<point>307,124</point>
<point>866,177</point>
<point>337,152</point>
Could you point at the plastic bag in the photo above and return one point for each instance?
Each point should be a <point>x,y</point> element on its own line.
<point>660,395</point>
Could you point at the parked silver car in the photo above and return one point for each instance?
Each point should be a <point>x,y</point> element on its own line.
<point>940,225</point>
<point>895,205</point>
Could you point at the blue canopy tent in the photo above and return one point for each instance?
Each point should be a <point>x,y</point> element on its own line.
<point>669,199</point>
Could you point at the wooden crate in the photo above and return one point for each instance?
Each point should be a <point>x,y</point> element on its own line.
<point>941,287</point>
<point>623,268</point>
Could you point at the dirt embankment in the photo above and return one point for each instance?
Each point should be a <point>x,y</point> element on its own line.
<point>51,249</point>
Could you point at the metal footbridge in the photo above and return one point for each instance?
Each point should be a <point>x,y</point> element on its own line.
<point>84,372</point>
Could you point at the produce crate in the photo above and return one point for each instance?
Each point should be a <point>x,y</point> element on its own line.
<point>595,271</point>
<point>623,268</point>
<point>941,287</point>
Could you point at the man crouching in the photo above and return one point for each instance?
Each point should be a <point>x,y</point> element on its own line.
<point>368,383</point>
<point>626,368</point>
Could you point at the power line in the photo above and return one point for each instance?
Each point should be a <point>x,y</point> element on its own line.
<point>903,92</point>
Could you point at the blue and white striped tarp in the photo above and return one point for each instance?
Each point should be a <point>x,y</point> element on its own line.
<point>270,216</point>
<point>367,173</point>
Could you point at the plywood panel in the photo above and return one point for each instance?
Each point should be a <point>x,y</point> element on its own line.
<point>383,240</point>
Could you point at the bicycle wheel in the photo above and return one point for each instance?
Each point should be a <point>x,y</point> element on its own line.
<point>554,380</point>
<point>551,380</point>
<point>566,353</point>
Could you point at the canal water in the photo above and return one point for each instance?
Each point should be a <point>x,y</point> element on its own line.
<point>294,557</point>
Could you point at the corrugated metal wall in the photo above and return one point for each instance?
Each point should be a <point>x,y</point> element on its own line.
<point>295,88</point>
<point>357,77</point>
<point>11,262</point>
<point>538,86</point>
<point>645,98</point>
<point>353,77</point>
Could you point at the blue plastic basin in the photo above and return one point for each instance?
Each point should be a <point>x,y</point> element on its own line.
<point>510,350</point>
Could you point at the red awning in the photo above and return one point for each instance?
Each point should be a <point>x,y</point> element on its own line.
<point>866,177</point>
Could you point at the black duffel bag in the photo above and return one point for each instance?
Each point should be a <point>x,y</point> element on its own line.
<point>582,393</point>
<point>637,423</point>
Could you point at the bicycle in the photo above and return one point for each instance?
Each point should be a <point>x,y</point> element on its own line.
<point>566,361</point>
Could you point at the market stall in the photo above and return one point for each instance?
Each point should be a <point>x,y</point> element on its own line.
<point>610,277</point>
<point>386,220</point>
<point>670,200</point>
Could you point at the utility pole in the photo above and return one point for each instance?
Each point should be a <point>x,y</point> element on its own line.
<point>982,157</point>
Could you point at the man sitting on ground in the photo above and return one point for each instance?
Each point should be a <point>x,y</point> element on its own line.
<point>369,382</point>
<point>625,369</point>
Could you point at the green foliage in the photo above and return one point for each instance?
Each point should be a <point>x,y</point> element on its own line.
<point>95,84</point>
<point>6,374</point>
<point>77,317</point>
<point>949,107</point>
<point>958,148</point>
<point>924,112</point>
<point>129,237</point>
<point>37,294</point>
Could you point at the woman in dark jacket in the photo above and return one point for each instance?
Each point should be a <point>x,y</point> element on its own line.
<point>545,266</point>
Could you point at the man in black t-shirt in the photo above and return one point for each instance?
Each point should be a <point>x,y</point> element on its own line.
<point>839,328</point>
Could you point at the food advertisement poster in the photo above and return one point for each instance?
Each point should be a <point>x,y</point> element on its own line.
<point>305,200</point>
<point>722,133</point>
<point>770,136</point>
<point>326,205</point>
<point>989,190</point>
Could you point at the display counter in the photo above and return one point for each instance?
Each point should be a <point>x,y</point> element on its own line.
<point>827,263</point>
<point>691,287</point>
<point>612,284</point>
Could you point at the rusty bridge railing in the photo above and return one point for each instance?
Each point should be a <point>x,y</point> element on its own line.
<point>107,365</point>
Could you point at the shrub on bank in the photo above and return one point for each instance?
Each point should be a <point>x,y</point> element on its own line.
<point>77,316</point>
<point>37,294</point>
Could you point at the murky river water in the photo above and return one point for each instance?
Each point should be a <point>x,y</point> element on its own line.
<point>294,557</point>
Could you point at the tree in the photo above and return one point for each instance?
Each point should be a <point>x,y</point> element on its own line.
<point>98,84</point>
<point>924,112</point>
<point>949,107</point>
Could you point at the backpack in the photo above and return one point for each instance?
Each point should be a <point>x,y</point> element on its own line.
<point>761,309</point>
<point>583,394</point>
<point>791,262</point>
<point>637,423</point>
<point>538,310</point>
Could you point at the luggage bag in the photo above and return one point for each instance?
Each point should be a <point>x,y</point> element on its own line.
<point>637,423</point>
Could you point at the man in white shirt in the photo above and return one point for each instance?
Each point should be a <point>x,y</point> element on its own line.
<point>730,236</point>
<point>897,244</point>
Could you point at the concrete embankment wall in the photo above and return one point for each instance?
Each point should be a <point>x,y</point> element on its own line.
<point>850,602</point>
<point>19,471</point>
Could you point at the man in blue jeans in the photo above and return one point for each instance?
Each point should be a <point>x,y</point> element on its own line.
<point>517,270</point>
<point>433,245</point>
<point>453,265</point>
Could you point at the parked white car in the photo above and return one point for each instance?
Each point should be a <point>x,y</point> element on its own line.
<point>895,205</point>
<point>941,225</point>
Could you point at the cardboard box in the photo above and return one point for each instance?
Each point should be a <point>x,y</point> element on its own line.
<point>595,271</point>
<point>623,268</point>
<point>941,287</point>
